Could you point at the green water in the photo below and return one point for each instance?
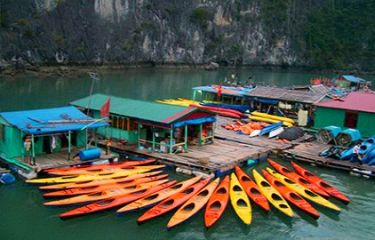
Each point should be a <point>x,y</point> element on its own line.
<point>22,215</point>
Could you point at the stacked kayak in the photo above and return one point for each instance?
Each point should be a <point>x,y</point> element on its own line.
<point>269,118</point>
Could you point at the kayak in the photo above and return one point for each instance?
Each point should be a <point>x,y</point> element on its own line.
<point>291,195</point>
<point>114,201</point>
<point>252,189</point>
<point>275,117</point>
<point>173,201</point>
<point>90,177</point>
<point>104,170</point>
<point>159,196</point>
<point>94,183</point>
<point>268,120</point>
<point>334,192</point>
<point>70,170</point>
<point>272,195</point>
<point>239,200</point>
<point>193,205</point>
<point>108,193</point>
<point>275,132</point>
<point>304,192</point>
<point>98,188</point>
<point>297,178</point>
<point>217,203</point>
<point>269,128</point>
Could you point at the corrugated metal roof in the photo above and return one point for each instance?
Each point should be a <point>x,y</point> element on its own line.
<point>150,111</point>
<point>284,94</point>
<point>39,121</point>
<point>354,101</point>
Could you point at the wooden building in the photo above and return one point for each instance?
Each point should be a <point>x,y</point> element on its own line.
<point>152,126</point>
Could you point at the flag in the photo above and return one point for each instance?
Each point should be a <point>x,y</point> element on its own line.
<point>104,110</point>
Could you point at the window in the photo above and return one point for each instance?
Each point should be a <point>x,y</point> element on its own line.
<point>122,123</point>
<point>351,119</point>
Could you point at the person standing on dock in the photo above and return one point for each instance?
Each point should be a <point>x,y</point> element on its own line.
<point>356,156</point>
<point>27,146</point>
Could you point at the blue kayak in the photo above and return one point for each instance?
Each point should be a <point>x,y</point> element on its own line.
<point>269,128</point>
<point>241,108</point>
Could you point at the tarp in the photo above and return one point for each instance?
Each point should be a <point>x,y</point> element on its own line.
<point>265,100</point>
<point>195,121</point>
<point>353,79</point>
<point>40,121</point>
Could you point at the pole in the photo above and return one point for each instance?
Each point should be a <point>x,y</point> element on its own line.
<point>200,134</point>
<point>170,140</point>
<point>33,149</point>
<point>138,135</point>
<point>153,139</point>
<point>186,138</point>
<point>69,144</point>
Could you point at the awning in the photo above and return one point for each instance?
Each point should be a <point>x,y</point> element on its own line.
<point>194,121</point>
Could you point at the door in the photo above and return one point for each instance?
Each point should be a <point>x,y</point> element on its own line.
<point>351,119</point>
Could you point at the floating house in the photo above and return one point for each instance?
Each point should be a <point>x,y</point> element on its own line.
<point>26,136</point>
<point>225,94</point>
<point>350,81</point>
<point>356,110</point>
<point>152,126</point>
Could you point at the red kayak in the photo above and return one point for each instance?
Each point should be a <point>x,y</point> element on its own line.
<point>217,203</point>
<point>297,178</point>
<point>221,111</point>
<point>98,167</point>
<point>173,201</point>
<point>98,188</point>
<point>334,192</point>
<point>115,202</point>
<point>291,196</point>
<point>252,190</point>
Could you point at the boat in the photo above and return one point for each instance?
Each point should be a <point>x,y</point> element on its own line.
<point>268,120</point>
<point>159,196</point>
<point>104,170</point>
<point>275,117</point>
<point>73,170</point>
<point>304,192</point>
<point>239,200</point>
<point>108,193</point>
<point>240,108</point>
<point>193,205</point>
<point>114,201</point>
<point>173,201</point>
<point>275,132</point>
<point>297,178</point>
<point>98,188</point>
<point>90,177</point>
<point>291,195</point>
<point>254,133</point>
<point>272,195</point>
<point>334,192</point>
<point>94,183</point>
<point>217,203</point>
<point>251,189</point>
<point>269,128</point>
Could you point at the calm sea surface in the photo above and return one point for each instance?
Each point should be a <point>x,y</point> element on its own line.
<point>22,215</point>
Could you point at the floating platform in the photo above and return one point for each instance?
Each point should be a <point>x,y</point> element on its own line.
<point>309,153</point>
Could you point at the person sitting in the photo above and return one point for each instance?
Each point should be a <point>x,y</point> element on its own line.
<point>356,156</point>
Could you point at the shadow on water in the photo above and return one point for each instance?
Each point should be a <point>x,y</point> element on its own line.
<point>306,217</point>
<point>328,212</point>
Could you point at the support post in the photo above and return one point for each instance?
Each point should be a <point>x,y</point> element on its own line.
<point>69,144</point>
<point>138,135</point>
<point>200,133</point>
<point>153,139</point>
<point>186,138</point>
<point>32,149</point>
<point>170,140</point>
<point>86,139</point>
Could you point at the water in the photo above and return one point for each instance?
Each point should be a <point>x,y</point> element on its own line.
<point>23,216</point>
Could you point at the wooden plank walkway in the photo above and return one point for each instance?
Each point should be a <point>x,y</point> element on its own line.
<point>309,152</point>
<point>220,156</point>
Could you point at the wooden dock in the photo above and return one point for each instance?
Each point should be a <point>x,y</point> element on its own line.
<point>309,152</point>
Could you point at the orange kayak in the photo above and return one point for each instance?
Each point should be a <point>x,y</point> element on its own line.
<point>115,201</point>
<point>173,201</point>
<point>159,196</point>
<point>251,189</point>
<point>96,167</point>
<point>291,195</point>
<point>94,183</point>
<point>332,191</point>
<point>108,193</point>
<point>193,205</point>
<point>98,188</point>
<point>297,178</point>
<point>217,203</point>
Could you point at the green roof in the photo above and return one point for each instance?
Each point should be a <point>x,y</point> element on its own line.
<point>150,111</point>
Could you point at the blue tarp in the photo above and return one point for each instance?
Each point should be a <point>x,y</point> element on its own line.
<point>265,100</point>
<point>37,121</point>
<point>353,79</point>
<point>195,121</point>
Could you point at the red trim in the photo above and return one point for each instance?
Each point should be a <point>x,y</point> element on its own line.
<point>178,115</point>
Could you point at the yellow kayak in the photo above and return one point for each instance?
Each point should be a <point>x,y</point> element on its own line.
<point>107,193</point>
<point>89,177</point>
<point>306,193</point>
<point>275,117</point>
<point>272,195</point>
<point>159,196</point>
<point>240,201</point>
<point>179,102</point>
<point>194,204</point>
<point>269,120</point>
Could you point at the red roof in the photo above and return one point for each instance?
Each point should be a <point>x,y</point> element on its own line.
<point>355,101</point>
